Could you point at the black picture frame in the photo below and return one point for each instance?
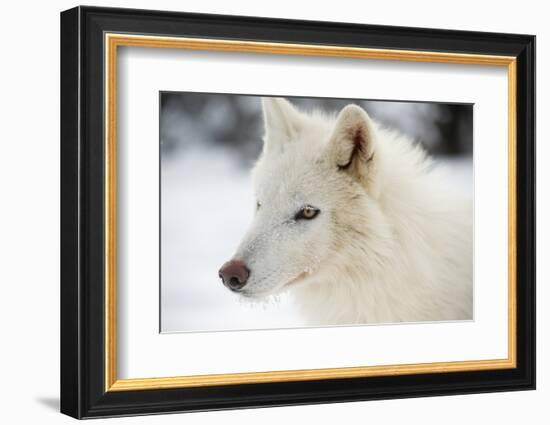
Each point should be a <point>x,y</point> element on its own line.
<point>83,392</point>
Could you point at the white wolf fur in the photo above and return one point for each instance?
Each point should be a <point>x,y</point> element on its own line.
<point>392,241</point>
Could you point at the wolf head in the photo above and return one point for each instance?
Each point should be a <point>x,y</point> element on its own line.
<point>316,191</point>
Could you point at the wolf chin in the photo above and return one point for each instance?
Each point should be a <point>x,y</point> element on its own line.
<point>356,221</point>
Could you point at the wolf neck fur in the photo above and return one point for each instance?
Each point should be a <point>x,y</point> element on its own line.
<point>399,265</point>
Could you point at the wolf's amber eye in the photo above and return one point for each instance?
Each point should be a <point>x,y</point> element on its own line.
<point>307,213</point>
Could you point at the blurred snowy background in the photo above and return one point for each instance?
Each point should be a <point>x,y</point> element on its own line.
<point>209,143</point>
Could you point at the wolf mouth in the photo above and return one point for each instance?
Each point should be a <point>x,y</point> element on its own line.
<point>297,280</point>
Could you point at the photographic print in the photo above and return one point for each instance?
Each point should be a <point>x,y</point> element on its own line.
<point>289,212</point>
<point>237,184</point>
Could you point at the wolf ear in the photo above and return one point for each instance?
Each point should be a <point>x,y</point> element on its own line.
<point>281,120</point>
<point>352,144</point>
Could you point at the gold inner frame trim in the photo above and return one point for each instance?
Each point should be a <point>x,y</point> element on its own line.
<point>113,41</point>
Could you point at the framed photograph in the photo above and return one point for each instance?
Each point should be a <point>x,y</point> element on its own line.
<point>261,212</point>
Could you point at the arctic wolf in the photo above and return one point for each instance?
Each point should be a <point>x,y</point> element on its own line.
<point>356,221</point>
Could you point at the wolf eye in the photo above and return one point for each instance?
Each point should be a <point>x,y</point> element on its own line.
<point>258,205</point>
<point>307,213</point>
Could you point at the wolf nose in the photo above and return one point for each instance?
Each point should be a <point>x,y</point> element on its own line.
<point>234,274</point>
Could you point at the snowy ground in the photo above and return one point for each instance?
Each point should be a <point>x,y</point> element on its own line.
<point>206,207</point>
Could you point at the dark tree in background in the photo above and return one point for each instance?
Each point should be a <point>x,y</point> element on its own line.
<point>235,122</point>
